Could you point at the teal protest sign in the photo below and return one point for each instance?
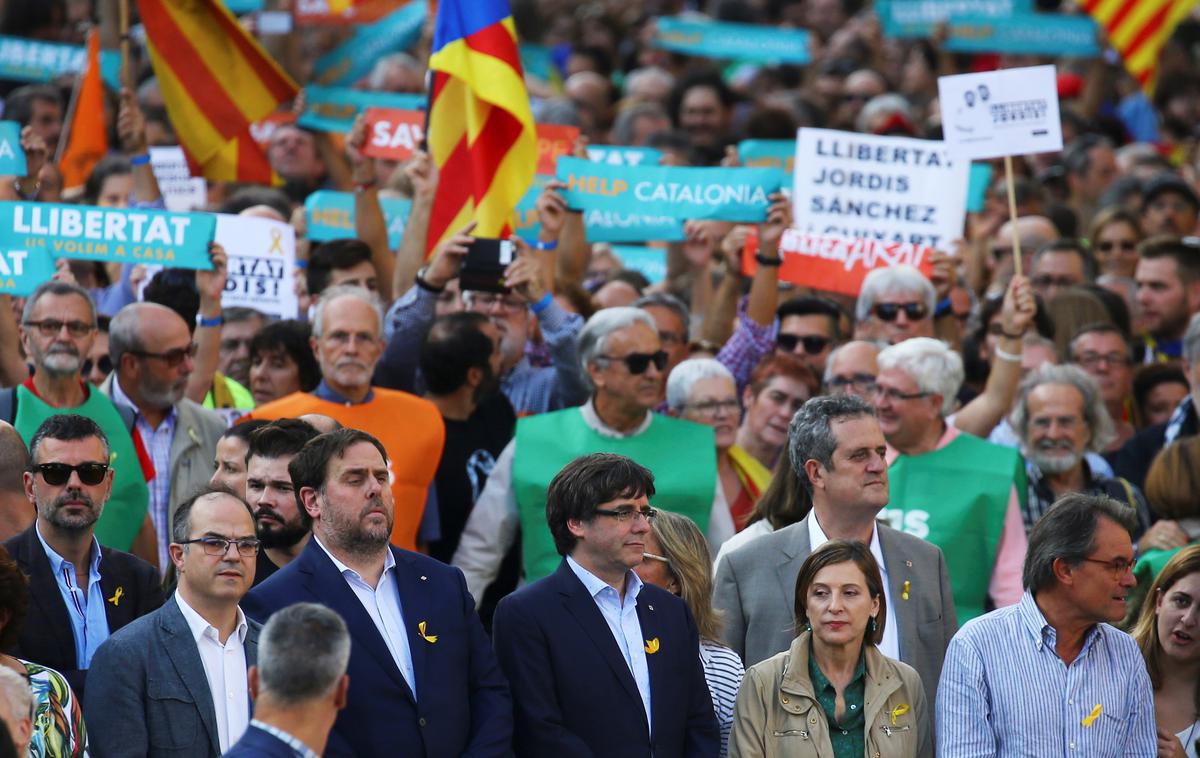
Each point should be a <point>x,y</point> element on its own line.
<point>978,180</point>
<point>242,7</point>
<point>726,41</point>
<point>719,194</point>
<point>624,155</point>
<point>1025,34</point>
<point>916,18</point>
<point>768,153</point>
<point>332,109</point>
<point>538,61</point>
<point>613,226</point>
<point>650,262</point>
<point>112,235</point>
<point>330,215</point>
<point>30,60</point>
<point>12,157</point>
<point>527,224</point>
<point>354,58</point>
<point>22,270</point>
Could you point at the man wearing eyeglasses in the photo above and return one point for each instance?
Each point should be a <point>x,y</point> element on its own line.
<point>83,592</point>
<point>1103,351</point>
<point>598,662</point>
<point>174,682</point>
<point>895,303</point>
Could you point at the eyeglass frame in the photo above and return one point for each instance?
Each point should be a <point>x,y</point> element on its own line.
<point>77,469</point>
<point>1114,566</point>
<point>802,339</point>
<point>916,307</point>
<point>624,516</point>
<point>172,358</point>
<point>212,541</point>
<point>72,327</point>
<point>659,359</point>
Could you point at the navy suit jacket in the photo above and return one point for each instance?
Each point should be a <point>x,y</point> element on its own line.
<point>462,707</point>
<point>573,692</point>
<point>257,743</point>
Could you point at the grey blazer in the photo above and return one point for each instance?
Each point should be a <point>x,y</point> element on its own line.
<point>150,697</point>
<point>756,586</point>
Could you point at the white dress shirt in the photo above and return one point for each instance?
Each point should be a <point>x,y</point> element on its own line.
<point>225,668</point>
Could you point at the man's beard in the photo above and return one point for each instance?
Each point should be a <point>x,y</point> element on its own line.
<point>75,523</point>
<point>281,534</point>
<point>60,362</point>
<point>350,535</point>
<point>1055,464</point>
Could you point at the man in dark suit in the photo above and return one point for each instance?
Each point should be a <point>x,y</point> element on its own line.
<point>600,664</point>
<point>80,592</point>
<point>837,449</point>
<point>174,681</point>
<point>423,679</point>
<point>299,684</point>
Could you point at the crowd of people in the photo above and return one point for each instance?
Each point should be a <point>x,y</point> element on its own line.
<point>584,513</point>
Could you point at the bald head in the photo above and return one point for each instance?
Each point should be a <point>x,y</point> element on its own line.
<point>1033,231</point>
<point>263,211</point>
<point>16,512</point>
<point>135,326</point>
<point>321,422</point>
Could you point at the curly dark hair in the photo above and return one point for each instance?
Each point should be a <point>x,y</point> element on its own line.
<point>14,599</point>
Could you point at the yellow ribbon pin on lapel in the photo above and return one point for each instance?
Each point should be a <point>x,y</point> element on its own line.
<point>899,711</point>
<point>116,598</point>
<point>904,590</point>
<point>1090,719</point>
<point>430,638</point>
<point>652,646</point>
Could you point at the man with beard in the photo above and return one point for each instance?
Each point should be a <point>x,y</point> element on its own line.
<point>347,341</point>
<point>82,592</point>
<point>1168,294</point>
<point>281,530</point>
<point>152,354</point>
<point>422,672</point>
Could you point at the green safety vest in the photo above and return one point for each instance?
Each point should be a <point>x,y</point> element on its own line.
<point>957,497</point>
<point>125,511</point>
<point>681,454</point>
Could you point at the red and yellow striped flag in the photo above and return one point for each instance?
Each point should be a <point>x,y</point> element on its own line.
<point>87,136</point>
<point>1138,29</point>
<point>216,81</point>
<point>481,134</point>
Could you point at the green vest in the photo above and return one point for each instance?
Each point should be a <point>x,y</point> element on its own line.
<point>957,498</point>
<point>681,455</point>
<point>125,511</point>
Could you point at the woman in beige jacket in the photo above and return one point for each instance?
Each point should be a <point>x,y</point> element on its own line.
<point>833,694</point>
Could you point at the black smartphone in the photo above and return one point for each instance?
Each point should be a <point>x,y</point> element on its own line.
<point>484,266</point>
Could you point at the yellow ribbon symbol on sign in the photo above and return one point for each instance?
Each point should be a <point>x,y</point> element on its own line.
<point>898,711</point>
<point>430,638</point>
<point>276,240</point>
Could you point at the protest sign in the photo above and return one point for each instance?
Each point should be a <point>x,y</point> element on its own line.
<point>31,60</point>
<point>1025,34</point>
<point>728,41</point>
<point>326,12</point>
<point>650,262</point>
<point>1001,113</point>
<point>838,264</point>
<point>262,264</point>
<point>978,181</point>
<point>553,141</point>
<point>917,18</point>
<point>242,7</point>
<point>624,155</point>
<point>538,61</point>
<point>180,190</point>
<point>261,131</point>
<point>892,189</point>
<point>22,269</point>
<point>723,194</point>
<point>332,109</point>
<point>12,157</point>
<point>768,153</point>
<point>353,59</point>
<point>599,226</point>
<point>330,215</point>
<point>393,134</point>
<point>112,235</point>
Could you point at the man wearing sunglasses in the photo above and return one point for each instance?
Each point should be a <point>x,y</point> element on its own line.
<point>895,304</point>
<point>84,592</point>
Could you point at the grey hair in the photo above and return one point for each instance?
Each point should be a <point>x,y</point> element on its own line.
<point>1068,532</point>
<point>687,373</point>
<point>646,73</point>
<point>888,102</point>
<point>1191,341</point>
<point>303,652</point>
<point>810,434</point>
<point>931,363</point>
<point>669,301</point>
<point>379,71</point>
<point>17,692</point>
<point>238,314</point>
<point>622,131</point>
<point>57,288</point>
<point>1094,411</point>
<point>557,110</point>
<point>124,335</point>
<point>891,280</point>
<point>338,292</point>
<point>593,338</point>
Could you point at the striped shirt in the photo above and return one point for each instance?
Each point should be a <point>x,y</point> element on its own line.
<point>299,748</point>
<point>723,671</point>
<point>158,445</point>
<point>1005,692</point>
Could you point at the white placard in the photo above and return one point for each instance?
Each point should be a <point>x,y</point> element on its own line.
<point>181,191</point>
<point>262,264</point>
<point>893,189</point>
<point>997,113</point>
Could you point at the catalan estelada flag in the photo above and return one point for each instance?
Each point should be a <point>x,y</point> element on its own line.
<point>87,136</point>
<point>481,134</point>
<point>216,81</point>
<point>1138,29</point>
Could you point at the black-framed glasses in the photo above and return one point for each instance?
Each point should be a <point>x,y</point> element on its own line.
<point>715,408</point>
<point>637,363</point>
<point>1108,246</point>
<point>623,515</point>
<point>1091,360</point>
<point>50,327</point>
<point>861,382</point>
<point>172,357</point>
<point>889,311</point>
<point>104,363</point>
<point>1118,567</point>
<point>58,474</point>
<point>246,547</point>
<point>813,343</point>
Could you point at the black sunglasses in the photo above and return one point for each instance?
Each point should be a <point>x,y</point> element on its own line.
<point>889,311</point>
<point>813,343</point>
<point>104,364</point>
<point>172,357</point>
<point>637,363</point>
<point>58,474</point>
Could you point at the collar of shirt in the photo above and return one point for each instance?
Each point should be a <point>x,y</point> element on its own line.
<point>1045,635</point>
<point>119,396</point>
<point>592,419</point>
<point>200,626</point>
<point>327,393</point>
<point>1178,418</point>
<point>290,740</point>
<point>57,561</point>
<point>389,561</point>
<point>817,537</point>
<point>595,585</point>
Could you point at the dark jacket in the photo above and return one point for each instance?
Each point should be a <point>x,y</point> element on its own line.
<point>257,743</point>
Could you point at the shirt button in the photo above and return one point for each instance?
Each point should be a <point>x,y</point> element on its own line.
<point>421,721</point>
<point>1072,746</point>
<point>844,732</point>
<point>852,706</point>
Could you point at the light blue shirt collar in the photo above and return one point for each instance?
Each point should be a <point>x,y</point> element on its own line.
<point>595,585</point>
<point>57,561</point>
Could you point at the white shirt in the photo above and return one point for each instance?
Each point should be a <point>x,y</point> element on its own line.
<point>225,668</point>
<point>890,645</point>
<point>382,604</point>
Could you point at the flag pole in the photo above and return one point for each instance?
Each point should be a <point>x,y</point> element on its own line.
<point>1012,211</point>
<point>123,31</point>
<point>69,118</point>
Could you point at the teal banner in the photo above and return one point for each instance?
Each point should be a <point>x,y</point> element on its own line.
<point>22,270</point>
<point>242,7</point>
<point>768,153</point>
<point>353,59</point>
<point>538,61</point>
<point>332,109</point>
<point>12,157</point>
<point>527,223</point>
<point>330,215</point>
<point>726,41</point>
<point>978,181</point>
<point>112,235</point>
<point>719,194</point>
<point>650,262</point>
<point>30,60</point>
<point>624,155</point>
<point>916,18</point>
<point>612,226</point>
<point>1025,34</point>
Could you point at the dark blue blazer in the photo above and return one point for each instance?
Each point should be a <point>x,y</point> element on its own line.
<point>572,690</point>
<point>462,707</point>
<point>256,743</point>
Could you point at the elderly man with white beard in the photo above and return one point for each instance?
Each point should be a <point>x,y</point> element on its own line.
<point>1060,417</point>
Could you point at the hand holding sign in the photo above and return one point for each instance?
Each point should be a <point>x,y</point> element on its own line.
<point>423,175</point>
<point>36,152</point>
<point>1019,307</point>
<point>779,216</point>
<point>524,275</point>
<point>448,257</point>
<point>212,283</point>
<point>551,210</point>
<point>131,124</point>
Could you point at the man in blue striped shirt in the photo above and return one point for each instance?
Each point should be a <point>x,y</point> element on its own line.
<point>1049,676</point>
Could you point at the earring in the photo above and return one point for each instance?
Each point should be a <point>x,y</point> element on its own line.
<point>872,626</point>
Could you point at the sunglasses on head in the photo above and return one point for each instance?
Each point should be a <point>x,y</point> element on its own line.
<point>813,343</point>
<point>637,363</point>
<point>58,474</point>
<point>889,311</point>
